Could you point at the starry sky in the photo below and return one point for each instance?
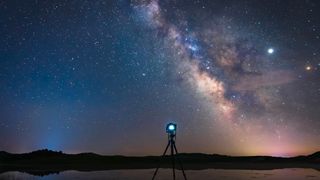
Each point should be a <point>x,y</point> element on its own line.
<point>238,77</point>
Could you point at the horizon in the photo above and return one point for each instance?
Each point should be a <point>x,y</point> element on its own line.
<point>238,78</point>
<point>146,155</point>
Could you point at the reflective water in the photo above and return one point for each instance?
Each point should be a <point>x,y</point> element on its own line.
<point>292,174</point>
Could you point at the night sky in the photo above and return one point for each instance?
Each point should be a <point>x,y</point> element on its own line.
<point>238,77</point>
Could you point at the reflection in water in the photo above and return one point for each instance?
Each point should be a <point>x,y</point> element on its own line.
<point>293,174</point>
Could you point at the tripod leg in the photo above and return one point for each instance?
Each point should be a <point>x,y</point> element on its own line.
<point>172,159</point>
<point>184,175</point>
<point>164,153</point>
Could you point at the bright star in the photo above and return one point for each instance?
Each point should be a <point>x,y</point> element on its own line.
<point>308,68</point>
<point>270,50</point>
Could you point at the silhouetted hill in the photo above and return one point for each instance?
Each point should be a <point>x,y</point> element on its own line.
<point>45,162</point>
<point>315,156</point>
<point>3,153</point>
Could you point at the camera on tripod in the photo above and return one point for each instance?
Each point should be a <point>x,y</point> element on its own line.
<point>171,128</point>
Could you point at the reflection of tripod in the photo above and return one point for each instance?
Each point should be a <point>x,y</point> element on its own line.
<point>171,143</point>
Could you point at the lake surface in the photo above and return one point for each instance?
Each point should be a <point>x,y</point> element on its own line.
<point>292,174</point>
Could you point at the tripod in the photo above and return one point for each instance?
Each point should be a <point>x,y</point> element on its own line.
<point>174,151</point>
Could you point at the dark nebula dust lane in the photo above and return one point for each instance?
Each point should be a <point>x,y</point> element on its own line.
<point>239,78</point>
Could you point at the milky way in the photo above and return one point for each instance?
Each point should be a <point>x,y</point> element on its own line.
<point>106,76</point>
<point>232,76</point>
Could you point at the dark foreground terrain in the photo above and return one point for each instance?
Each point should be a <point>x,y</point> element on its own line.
<point>44,162</point>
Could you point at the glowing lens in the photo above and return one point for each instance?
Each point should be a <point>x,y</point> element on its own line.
<point>171,127</point>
